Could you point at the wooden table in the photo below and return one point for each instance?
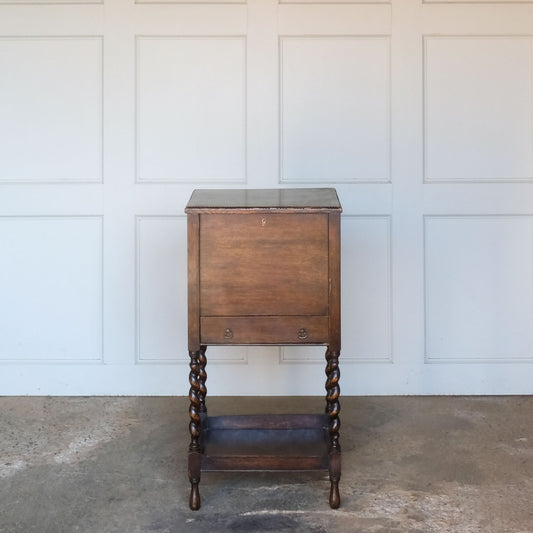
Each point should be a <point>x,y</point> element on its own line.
<point>263,269</point>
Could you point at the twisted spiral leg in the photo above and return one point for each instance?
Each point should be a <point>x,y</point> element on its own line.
<point>328,370</point>
<point>202,378</point>
<point>332,398</point>
<point>332,409</point>
<point>195,457</point>
<point>195,402</point>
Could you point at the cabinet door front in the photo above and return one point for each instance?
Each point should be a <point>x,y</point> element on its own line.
<point>264,264</point>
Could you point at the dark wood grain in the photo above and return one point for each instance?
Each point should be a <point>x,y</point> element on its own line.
<point>265,442</point>
<point>270,421</point>
<point>263,460</point>
<point>264,330</point>
<point>247,199</point>
<point>264,264</point>
<point>264,268</point>
<point>193,280</point>
<point>335,282</point>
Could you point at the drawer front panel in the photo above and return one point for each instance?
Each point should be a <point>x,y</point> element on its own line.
<point>264,263</point>
<point>264,330</point>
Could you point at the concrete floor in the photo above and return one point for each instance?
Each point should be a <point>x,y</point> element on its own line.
<point>410,464</point>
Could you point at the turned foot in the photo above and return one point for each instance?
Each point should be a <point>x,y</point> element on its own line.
<point>334,477</point>
<point>334,496</point>
<point>194,498</point>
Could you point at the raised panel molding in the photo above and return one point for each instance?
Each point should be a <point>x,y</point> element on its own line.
<point>192,2</point>
<point>478,108</point>
<point>43,79</point>
<point>478,288</point>
<point>161,294</point>
<point>477,1</point>
<point>366,294</point>
<point>178,140</point>
<point>303,2</point>
<point>50,2</point>
<point>334,109</point>
<point>354,19</point>
<point>51,289</point>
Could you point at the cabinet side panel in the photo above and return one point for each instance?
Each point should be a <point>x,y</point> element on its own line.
<point>193,285</point>
<point>335,282</point>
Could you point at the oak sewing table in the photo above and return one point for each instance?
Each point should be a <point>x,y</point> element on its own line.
<point>263,269</point>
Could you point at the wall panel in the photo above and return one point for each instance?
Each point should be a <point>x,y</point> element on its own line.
<point>51,289</point>
<point>334,116</point>
<point>186,130</point>
<point>479,288</point>
<point>419,113</point>
<point>51,109</point>
<point>478,108</point>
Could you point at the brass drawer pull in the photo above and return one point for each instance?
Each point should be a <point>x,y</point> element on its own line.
<point>302,334</point>
<point>228,334</point>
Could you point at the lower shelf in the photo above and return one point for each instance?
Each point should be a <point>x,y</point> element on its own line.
<point>265,442</point>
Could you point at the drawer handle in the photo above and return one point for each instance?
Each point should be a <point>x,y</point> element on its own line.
<point>228,334</point>
<point>302,334</point>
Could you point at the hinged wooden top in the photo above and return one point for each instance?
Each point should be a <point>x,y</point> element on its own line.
<point>245,199</point>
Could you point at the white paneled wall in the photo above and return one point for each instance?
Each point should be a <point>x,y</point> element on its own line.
<point>191,101</point>
<point>419,112</point>
<point>334,109</point>
<point>479,288</point>
<point>478,87</point>
<point>51,127</point>
<point>51,272</point>
<point>161,287</point>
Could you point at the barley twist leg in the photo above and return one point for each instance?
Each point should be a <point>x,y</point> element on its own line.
<point>333,409</point>
<point>194,429</point>
<point>202,378</point>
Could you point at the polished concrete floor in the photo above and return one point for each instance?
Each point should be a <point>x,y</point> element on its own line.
<point>410,464</point>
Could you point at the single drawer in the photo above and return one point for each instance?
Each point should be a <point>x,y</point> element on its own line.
<point>264,330</point>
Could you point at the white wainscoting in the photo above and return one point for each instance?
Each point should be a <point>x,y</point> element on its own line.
<point>479,288</point>
<point>51,94</point>
<point>419,113</point>
<point>335,109</point>
<point>478,108</point>
<point>187,130</point>
<point>51,282</point>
